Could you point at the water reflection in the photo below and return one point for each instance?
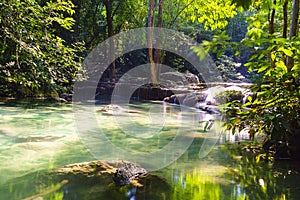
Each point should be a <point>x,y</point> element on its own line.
<point>195,186</point>
<point>131,193</point>
<point>263,179</point>
<point>248,179</point>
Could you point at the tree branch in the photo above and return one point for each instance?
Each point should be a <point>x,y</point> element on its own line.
<point>179,13</point>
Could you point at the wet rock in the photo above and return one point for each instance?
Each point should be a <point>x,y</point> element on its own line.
<point>113,109</point>
<point>177,79</point>
<point>177,99</point>
<point>122,172</point>
<point>245,93</point>
<point>128,172</point>
<point>211,94</point>
<point>66,97</point>
<point>211,109</point>
<point>169,83</point>
<point>150,92</point>
<point>192,99</point>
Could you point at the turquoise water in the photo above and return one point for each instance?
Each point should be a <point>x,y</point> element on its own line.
<point>38,137</point>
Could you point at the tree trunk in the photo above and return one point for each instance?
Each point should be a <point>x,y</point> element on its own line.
<point>150,42</point>
<point>285,18</point>
<point>159,25</point>
<point>157,55</point>
<point>271,31</point>
<point>293,29</point>
<point>271,20</point>
<point>110,33</point>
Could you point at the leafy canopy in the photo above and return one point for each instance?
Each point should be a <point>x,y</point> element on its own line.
<point>34,60</point>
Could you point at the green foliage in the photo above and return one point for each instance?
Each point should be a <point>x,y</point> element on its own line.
<point>237,27</point>
<point>34,60</point>
<point>217,45</point>
<point>229,96</point>
<point>228,68</point>
<point>91,24</point>
<point>213,14</point>
<point>196,186</point>
<point>275,110</point>
<point>243,3</point>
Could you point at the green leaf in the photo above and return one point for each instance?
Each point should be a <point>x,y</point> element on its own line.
<point>260,94</point>
<point>249,98</point>
<point>248,64</point>
<point>281,65</point>
<point>286,51</point>
<point>273,56</point>
<point>263,68</point>
<point>296,67</point>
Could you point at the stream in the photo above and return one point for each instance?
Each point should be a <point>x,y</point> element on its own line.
<point>187,161</point>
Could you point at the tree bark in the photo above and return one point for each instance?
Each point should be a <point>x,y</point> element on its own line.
<point>285,18</point>
<point>271,31</point>
<point>271,20</point>
<point>159,25</point>
<point>150,42</point>
<point>293,29</point>
<point>110,33</point>
<point>295,17</point>
<point>157,52</point>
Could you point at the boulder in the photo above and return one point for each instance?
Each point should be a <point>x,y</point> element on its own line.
<point>171,79</point>
<point>211,94</point>
<point>190,100</point>
<point>176,99</point>
<point>192,78</point>
<point>245,92</point>
<point>175,79</point>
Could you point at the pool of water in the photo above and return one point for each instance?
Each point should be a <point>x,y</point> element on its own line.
<point>185,161</point>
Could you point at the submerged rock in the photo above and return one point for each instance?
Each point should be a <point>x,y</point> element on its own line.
<point>128,172</point>
<point>38,138</point>
<point>113,109</point>
<point>122,172</point>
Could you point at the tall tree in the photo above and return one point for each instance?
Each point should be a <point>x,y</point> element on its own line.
<point>150,23</point>
<point>157,55</point>
<point>285,18</point>
<point>294,28</point>
<point>110,33</point>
